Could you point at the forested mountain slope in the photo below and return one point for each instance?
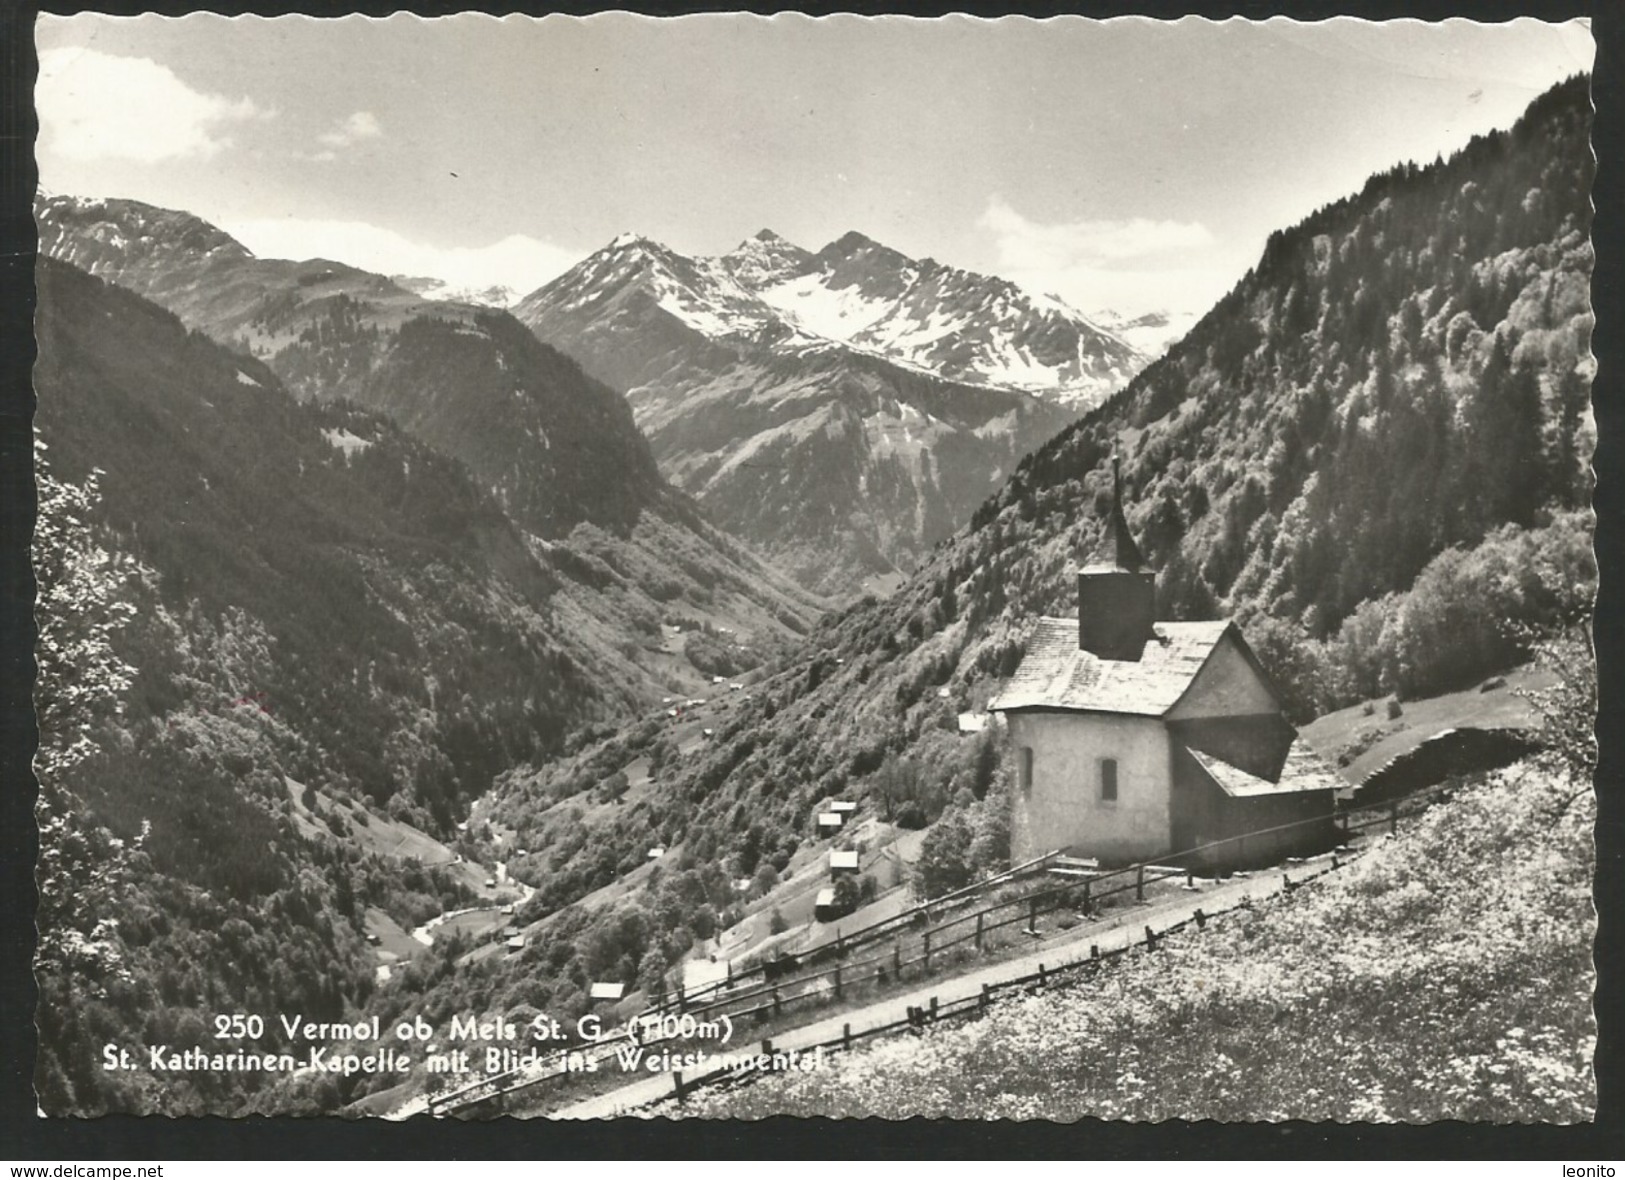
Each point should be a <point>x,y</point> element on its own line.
<point>557,448</point>
<point>351,565</point>
<point>254,591</point>
<point>1393,403</point>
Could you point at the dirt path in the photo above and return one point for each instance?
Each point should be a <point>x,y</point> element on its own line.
<point>1122,928</point>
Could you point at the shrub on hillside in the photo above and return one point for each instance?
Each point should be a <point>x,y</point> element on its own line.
<point>718,656</point>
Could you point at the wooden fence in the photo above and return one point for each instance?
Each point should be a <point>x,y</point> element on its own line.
<point>927,932</point>
<point>934,1010</point>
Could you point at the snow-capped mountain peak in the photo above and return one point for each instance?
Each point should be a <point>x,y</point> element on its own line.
<point>700,293</point>
<point>973,328</point>
<point>861,295</point>
<point>765,259</point>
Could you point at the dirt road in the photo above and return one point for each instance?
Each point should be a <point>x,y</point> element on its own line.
<point>1122,928</point>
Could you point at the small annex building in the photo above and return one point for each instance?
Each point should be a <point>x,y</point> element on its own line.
<point>1134,740</point>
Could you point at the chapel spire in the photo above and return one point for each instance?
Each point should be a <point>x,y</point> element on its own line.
<point>1126,552</point>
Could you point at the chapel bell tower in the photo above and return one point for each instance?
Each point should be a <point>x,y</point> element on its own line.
<point>1116,600</point>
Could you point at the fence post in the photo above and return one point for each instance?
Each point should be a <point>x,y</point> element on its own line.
<point>987,991</point>
<point>896,958</point>
<point>1139,883</point>
<point>767,1047</point>
<point>1150,940</point>
<point>1088,902</point>
<point>1032,914</point>
<point>1094,950</point>
<point>846,1036</point>
<point>928,950</point>
<point>677,1082</point>
<point>840,945</point>
<point>837,981</point>
<point>933,1009</point>
<point>978,929</point>
<point>730,965</point>
<point>777,1003</point>
<point>1041,973</point>
<point>1201,919</point>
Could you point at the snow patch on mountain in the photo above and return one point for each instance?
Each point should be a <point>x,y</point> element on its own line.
<point>440,291</point>
<point>347,441</point>
<point>836,314</point>
<point>1152,333</point>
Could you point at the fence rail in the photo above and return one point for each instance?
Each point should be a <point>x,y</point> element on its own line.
<point>935,1011</point>
<point>738,999</point>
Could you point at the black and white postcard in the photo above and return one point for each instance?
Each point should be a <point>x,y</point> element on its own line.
<point>728,566</point>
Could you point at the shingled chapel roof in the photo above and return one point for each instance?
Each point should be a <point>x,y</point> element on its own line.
<point>1057,674</point>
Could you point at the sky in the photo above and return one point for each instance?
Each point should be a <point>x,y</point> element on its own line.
<point>1127,165</point>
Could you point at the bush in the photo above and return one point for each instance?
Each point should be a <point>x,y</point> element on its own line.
<point>765,880</point>
<point>848,894</point>
<point>614,787</point>
<point>719,657</point>
<point>944,863</point>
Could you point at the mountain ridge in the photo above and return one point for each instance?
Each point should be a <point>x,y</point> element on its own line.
<point>557,450</point>
<point>836,459</point>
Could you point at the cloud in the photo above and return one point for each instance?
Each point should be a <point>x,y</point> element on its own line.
<point>1131,265</point>
<point>517,261</point>
<point>361,125</point>
<point>95,106</point>
<point>1026,243</point>
<point>345,133</point>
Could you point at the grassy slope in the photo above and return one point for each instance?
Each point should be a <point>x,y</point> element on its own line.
<point>1493,708</point>
<point>1447,974</point>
